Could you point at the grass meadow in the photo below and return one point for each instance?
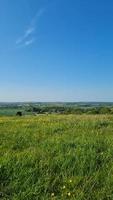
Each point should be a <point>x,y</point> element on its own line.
<point>56,157</point>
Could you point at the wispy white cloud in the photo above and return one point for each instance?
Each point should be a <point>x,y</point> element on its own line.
<point>28,42</point>
<point>27,33</point>
<point>37,16</point>
<point>25,40</point>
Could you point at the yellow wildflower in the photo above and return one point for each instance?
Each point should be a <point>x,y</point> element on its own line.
<point>52,194</point>
<point>69,194</point>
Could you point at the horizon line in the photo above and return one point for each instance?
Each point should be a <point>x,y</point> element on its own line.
<point>56,102</point>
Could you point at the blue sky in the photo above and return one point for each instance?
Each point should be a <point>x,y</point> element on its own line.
<point>56,50</point>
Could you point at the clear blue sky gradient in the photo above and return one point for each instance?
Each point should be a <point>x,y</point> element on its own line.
<point>56,50</point>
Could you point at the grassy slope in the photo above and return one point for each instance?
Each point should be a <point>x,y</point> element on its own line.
<point>67,157</point>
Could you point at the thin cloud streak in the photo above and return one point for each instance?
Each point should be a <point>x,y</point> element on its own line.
<point>37,16</point>
<point>26,43</point>
<point>24,40</point>
<point>28,32</point>
<point>29,42</point>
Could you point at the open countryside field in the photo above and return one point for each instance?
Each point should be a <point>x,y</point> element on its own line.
<point>56,157</point>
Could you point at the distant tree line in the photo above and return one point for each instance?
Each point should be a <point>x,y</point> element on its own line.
<point>69,110</point>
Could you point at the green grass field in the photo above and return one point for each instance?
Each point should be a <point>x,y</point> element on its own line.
<point>56,157</point>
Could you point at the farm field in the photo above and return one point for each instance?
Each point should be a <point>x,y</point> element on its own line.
<point>57,157</point>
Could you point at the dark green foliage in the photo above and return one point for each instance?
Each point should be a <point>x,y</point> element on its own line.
<point>55,108</point>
